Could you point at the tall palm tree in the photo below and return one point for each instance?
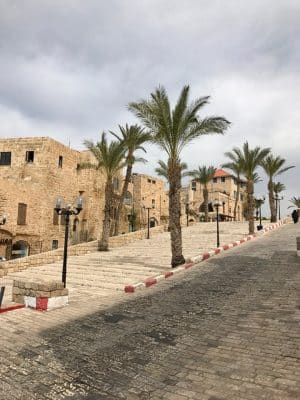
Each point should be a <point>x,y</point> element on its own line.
<point>278,187</point>
<point>133,138</point>
<point>250,160</point>
<point>235,164</point>
<point>273,166</point>
<point>110,158</point>
<point>162,170</point>
<point>295,201</point>
<point>204,175</point>
<point>172,130</point>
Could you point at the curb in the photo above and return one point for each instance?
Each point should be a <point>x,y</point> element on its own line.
<point>11,308</point>
<point>192,261</point>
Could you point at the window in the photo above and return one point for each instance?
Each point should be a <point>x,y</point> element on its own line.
<point>149,180</point>
<point>242,197</point>
<point>60,161</point>
<point>215,180</point>
<point>222,178</point>
<point>154,182</point>
<point>54,244</point>
<point>29,157</point>
<point>194,185</point>
<point>55,217</point>
<point>22,211</point>
<point>116,183</point>
<point>5,158</point>
<point>153,202</point>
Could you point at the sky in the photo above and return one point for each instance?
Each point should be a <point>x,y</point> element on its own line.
<point>69,68</point>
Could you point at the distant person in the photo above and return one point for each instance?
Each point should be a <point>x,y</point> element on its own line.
<point>295,216</point>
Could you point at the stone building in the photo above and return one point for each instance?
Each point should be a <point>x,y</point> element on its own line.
<point>146,194</point>
<point>222,188</point>
<point>33,173</point>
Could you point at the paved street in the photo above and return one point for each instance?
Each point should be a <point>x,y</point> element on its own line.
<point>105,274</point>
<point>227,329</point>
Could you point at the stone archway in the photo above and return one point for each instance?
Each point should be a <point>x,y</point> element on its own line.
<point>20,249</point>
<point>153,222</point>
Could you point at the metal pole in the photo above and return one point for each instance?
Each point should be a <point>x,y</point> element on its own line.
<point>260,214</point>
<point>2,290</point>
<point>218,233</point>
<point>279,209</point>
<point>64,271</point>
<point>148,232</point>
<point>187,214</point>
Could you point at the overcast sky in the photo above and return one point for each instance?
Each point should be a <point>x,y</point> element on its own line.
<point>69,68</point>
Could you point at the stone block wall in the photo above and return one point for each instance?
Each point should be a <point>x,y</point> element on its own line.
<point>37,289</point>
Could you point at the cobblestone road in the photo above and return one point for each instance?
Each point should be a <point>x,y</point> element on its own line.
<point>228,329</point>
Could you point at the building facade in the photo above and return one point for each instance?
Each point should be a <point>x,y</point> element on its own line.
<point>34,172</point>
<point>223,189</point>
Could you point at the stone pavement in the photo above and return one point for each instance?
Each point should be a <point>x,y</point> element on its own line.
<point>104,274</point>
<point>228,330</point>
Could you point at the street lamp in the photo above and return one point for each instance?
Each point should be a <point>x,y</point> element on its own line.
<point>148,220</point>
<point>66,211</point>
<point>278,199</point>
<point>260,200</point>
<point>187,211</point>
<point>217,204</point>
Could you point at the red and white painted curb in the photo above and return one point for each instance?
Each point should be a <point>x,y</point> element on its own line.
<point>197,259</point>
<point>11,308</point>
<point>45,303</point>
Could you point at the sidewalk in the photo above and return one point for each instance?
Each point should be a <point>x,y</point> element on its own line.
<point>102,274</point>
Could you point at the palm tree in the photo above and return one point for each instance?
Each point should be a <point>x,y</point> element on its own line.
<point>250,160</point>
<point>132,138</point>
<point>278,187</point>
<point>235,165</point>
<point>204,175</point>
<point>162,170</point>
<point>172,130</point>
<point>273,167</point>
<point>295,201</point>
<point>110,158</point>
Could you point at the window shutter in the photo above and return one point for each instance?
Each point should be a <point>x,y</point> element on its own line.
<point>22,211</point>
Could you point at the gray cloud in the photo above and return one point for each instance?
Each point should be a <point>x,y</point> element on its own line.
<point>69,68</point>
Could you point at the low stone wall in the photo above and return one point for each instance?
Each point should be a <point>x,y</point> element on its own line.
<point>49,257</point>
<point>40,295</point>
<point>122,240</point>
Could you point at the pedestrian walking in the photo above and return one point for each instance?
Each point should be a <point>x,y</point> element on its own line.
<point>295,216</point>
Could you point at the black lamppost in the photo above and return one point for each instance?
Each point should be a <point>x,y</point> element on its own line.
<point>148,220</point>
<point>187,211</point>
<point>217,204</point>
<point>260,200</point>
<point>278,199</point>
<point>66,212</point>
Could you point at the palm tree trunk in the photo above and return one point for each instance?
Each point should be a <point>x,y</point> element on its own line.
<point>205,199</point>
<point>251,206</point>
<point>237,198</point>
<point>174,213</point>
<point>122,197</point>
<point>103,245</point>
<point>272,201</point>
